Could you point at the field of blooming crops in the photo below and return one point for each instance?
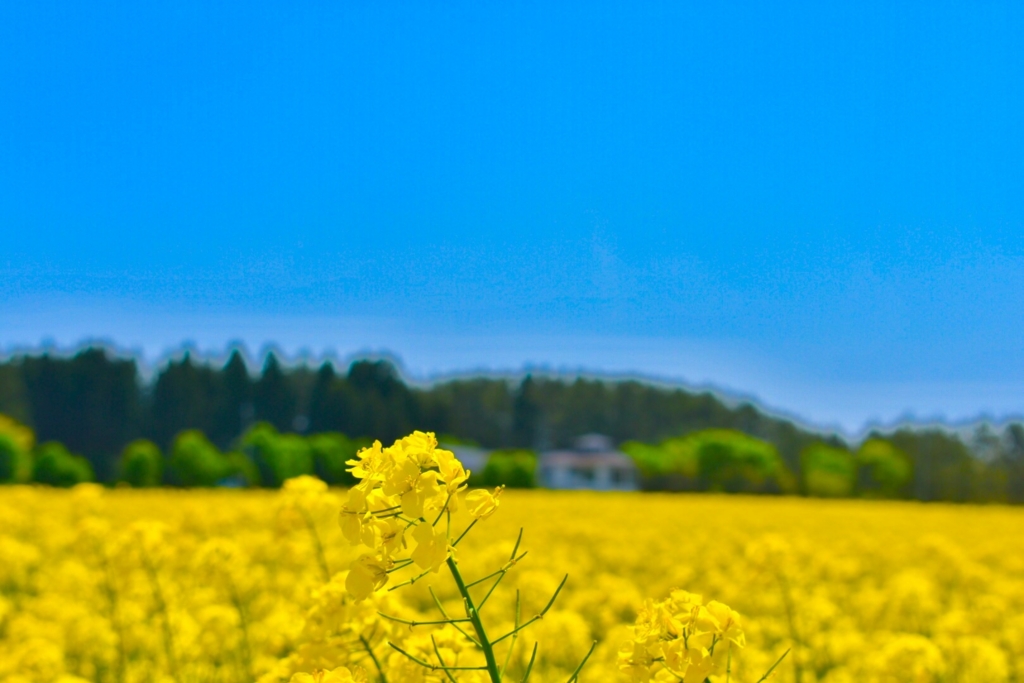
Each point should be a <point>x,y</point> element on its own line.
<point>128,585</point>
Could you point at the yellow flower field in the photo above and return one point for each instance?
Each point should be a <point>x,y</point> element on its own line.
<point>223,585</point>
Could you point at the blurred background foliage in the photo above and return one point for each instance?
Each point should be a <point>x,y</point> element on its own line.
<point>54,465</point>
<point>141,464</point>
<point>515,468</point>
<point>204,423</point>
<point>712,460</point>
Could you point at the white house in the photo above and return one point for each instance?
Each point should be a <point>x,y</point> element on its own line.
<point>592,463</point>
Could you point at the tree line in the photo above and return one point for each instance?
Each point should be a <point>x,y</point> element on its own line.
<point>96,403</point>
<point>927,465</point>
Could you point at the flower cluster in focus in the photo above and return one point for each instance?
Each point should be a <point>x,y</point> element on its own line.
<point>404,492</point>
<point>681,638</point>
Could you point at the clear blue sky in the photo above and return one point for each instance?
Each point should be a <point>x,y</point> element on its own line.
<point>817,204</point>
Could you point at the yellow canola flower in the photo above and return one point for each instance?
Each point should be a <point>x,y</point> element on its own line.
<point>404,490</point>
<point>453,475</point>
<point>482,504</point>
<point>130,586</point>
<point>431,547</point>
<point>360,511</point>
<point>339,675</point>
<point>726,623</point>
<point>366,575</point>
<point>681,635</point>
<point>421,490</point>
<point>389,536</point>
<point>305,485</point>
<point>368,464</point>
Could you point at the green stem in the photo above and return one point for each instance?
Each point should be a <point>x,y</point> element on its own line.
<point>504,569</point>
<point>512,646</point>
<point>529,667</point>
<point>400,565</point>
<point>464,532</point>
<point>538,617</point>
<point>443,509</point>
<point>411,581</point>
<point>373,656</point>
<point>478,625</point>
<point>433,622</point>
<point>434,667</point>
<point>769,671</point>
<point>444,614</point>
<point>440,660</point>
<point>575,674</point>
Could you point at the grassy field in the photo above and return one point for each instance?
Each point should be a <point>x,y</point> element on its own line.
<point>219,585</point>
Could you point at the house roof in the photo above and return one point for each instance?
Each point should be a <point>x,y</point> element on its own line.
<point>593,443</point>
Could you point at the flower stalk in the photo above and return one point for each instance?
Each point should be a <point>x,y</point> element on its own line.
<point>405,491</point>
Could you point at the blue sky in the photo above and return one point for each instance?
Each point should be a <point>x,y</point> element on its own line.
<point>818,206</point>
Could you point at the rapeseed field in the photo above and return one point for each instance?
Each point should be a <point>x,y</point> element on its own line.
<point>126,586</point>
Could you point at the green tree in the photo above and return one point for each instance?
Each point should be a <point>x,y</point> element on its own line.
<point>14,400</point>
<point>650,459</point>
<point>682,455</point>
<point>20,434</point>
<point>729,460</point>
<point>243,471</point>
<point>828,472</point>
<point>324,408</point>
<point>142,464</point>
<point>671,465</point>
<point>90,402</point>
<point>275,398</point>
<point>234,408</point>
<point>55,466</point>
<point>377,403</point>
<point>527,416</point>
<point>15,461</point>
<point>185,397</point>
<point>942,465</point>
<point>715,459</point>
<point>476,409</point>
<point>277,456</point>
<point>195,461</point>
<point>16,443</point>
<point>516,469</point>
<point>1012,461</point>
<point>883,470</point>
